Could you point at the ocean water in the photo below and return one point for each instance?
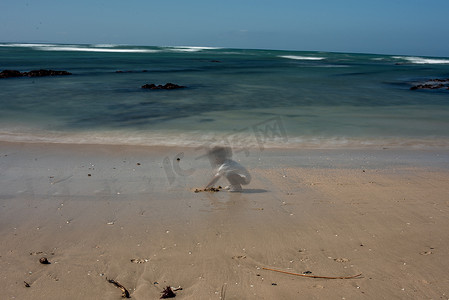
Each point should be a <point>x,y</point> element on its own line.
<point>241,97</point>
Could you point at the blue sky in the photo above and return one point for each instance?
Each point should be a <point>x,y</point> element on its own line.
<point>412,27</point>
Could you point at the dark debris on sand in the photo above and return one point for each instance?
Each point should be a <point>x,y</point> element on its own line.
<point>168,293</point>
<point>211,189</point>
<point>44,261</point>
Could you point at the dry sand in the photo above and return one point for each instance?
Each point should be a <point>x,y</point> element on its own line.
<point>92,209</point>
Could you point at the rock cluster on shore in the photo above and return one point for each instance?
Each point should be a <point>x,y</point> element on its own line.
<point>33,73</point>
<point>167,86</point>
<point>432,84</point>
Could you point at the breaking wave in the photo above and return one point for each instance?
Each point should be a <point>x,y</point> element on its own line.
<point>191,48</point>
<point>113,48</point>
<point>95,49</point>
<point>297,57</point>
<point>422,60</point>
<point>28,45</point>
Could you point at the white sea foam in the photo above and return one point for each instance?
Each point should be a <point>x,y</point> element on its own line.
<point>422,60</point>
<point>94,49</point>
<point>200,139</point>
<point>191,48</point>
<point>297,57</point>
<point>91,48</point>
<point>166,138</point>
<point>28,45</point>
<point>106,45</point>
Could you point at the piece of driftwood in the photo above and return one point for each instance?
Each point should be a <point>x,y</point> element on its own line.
<point>314,276</point>
<point>168,293</point>
<point>125,293</point>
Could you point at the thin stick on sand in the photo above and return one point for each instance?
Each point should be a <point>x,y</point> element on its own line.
<point>125,293</point>
<point>312,276</point>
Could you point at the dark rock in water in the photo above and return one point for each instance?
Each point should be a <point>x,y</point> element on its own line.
<point>120,71</point>
<point>432,84</point>
<point>33,73</point>
<point>167,86</point>
<point>41,72</point>
<point>10,73</point>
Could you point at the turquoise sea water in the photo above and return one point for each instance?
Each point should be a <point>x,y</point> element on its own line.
<point>243,97</point>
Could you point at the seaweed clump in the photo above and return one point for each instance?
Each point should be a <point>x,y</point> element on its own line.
<point>211,189</point>
<point>168,293</point>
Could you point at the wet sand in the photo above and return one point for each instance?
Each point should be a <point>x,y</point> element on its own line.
<point>92,209</point>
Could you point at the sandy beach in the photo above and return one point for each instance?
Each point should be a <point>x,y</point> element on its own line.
<point>130,214</point>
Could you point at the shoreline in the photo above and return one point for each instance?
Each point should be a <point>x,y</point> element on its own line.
<point>349,157</point>
<point>269,136</point>
<point>382,213</point>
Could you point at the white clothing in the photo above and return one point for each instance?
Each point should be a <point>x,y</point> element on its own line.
<point>231,167</point>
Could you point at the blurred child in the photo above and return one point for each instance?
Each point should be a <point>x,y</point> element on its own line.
<point>235,173</point>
